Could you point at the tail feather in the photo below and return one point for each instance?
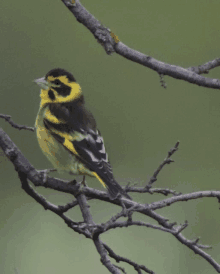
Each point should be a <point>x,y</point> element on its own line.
<point>115,189</point>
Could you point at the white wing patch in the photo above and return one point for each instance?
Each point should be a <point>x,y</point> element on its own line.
<point>99,139</point>
<point>93,158</point>
<point>95,138</point>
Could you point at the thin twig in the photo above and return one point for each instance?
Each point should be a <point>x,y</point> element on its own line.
<point>184,198</point>
<point>163,191</point>
<point>166,161</point>
<point>162,81</point>
<point>27,171</point>
<point>205,68</point>
<point>47,205</point>
<point>84,206</point>
<point>120,224</point>
<point>123,259</point>
<point>13,124</point>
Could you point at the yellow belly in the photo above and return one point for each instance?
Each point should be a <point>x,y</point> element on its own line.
<point>57,154</point>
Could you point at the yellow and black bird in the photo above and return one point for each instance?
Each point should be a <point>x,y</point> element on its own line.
<point>67,132</point>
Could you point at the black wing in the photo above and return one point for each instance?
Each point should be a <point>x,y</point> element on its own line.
<point>87,141</point>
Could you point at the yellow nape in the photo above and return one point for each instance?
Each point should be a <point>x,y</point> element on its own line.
<point>100,180</point>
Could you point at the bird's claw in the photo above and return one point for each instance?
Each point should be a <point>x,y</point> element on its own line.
<point>83,183</point>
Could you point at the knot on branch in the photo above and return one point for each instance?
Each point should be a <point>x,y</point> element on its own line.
<point>181,228</point>
<point>104,37</point>
<point>11,154</point>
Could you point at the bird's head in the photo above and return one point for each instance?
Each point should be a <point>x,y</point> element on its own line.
<point>58,86</point>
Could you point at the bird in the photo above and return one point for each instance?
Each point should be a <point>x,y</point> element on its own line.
<point>67,132</point>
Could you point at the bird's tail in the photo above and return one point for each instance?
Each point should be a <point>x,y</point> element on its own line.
<point>114,189</point>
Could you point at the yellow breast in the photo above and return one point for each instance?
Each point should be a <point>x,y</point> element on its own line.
<point>61,156</point>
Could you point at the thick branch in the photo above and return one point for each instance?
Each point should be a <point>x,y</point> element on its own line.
<point>111,43</point>
<point>165,68</point>
<point>47,205</point>
<point>24,167</point>
<point>91,23</point>
<point>84,206</point>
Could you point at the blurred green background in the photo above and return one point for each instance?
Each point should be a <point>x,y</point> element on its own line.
<point>140,122</point>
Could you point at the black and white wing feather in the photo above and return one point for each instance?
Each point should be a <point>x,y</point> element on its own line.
<point>80,126</point>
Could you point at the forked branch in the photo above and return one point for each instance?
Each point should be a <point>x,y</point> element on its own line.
<point>91,230</point>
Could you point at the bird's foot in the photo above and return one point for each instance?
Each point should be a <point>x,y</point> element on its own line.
<point>79,185</point>
<point>83,183</point>
<point>73,182</point>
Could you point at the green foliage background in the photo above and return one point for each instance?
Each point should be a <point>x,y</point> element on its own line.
<point>139,120</point>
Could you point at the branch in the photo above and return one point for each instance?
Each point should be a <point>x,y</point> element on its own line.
<point>184,198</point>
<point>164,191</point>
<point>120,224</point>
<point>153,179</point>
<point>206,67</point>
<point>27,172</point>
<point>190,244</point>
<point>47,205</point>
<point>111,44</point>
<point>118,258</point>
<point>13,124</point>
<point>84,206</point>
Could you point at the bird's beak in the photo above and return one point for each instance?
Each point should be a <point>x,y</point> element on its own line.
<point>42,83</point>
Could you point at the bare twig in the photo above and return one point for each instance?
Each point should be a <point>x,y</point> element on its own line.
<point>120,268</point>
<point>206,67</point>
<point>184,198</point>
<point>196,248</point>
<point>47,205</point>
<point>111,223</point>
<point>153,179</point>
<point>27,172</point>
<point>13,124</point>
<point>120,224</point>
<point>162,81</point>
<point>118,258</point>
<point>84,206</point>
<point>166,161</point>
<point>70,205</point>
<point>163,191</point>
<point>111,44</point>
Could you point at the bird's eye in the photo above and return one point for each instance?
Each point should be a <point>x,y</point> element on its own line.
<point>56,83</point>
